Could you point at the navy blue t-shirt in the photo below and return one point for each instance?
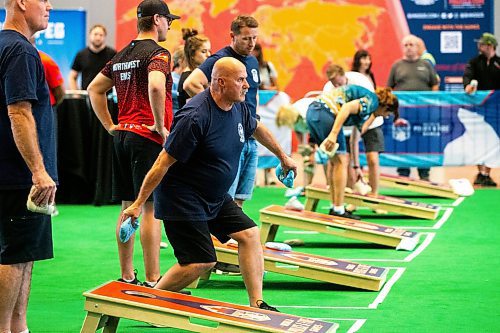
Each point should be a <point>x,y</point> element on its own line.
<point>206,141</point>
<point>252,66</point>
<point>22,79</point>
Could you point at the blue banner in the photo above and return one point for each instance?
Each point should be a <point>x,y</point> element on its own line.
<point>444,129</point>
<point>63,38</point>
<point>449,29</point>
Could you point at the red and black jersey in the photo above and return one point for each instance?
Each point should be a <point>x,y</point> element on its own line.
<point>129,70</point>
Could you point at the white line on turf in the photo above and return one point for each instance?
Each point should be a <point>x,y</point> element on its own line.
<point>421,247</point>
<point>458,201</point>
<point>436,226</point>
<point>387,287</point>
<point>429,236</point>
<point>357,325</point>
<point>300,232</point>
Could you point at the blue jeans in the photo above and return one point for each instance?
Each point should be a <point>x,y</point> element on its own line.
<point>242,187</point>
<point>320,122</point>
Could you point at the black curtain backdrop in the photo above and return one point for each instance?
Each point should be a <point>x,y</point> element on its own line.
<point>84,153</point>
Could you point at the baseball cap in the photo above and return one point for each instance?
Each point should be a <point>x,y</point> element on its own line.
<point>487,39</point>
<point>152,7</point>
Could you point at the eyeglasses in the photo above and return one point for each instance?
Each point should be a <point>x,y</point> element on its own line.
<point>169,20</point>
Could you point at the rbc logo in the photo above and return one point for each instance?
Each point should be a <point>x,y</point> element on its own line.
<point>401,130</point>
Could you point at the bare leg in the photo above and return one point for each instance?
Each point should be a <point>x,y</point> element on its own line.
<point>181,276</point>
<point>150,240</point>
<point>10,285</point>
<point>373,170</point>
<point>340,162</point>
<point>125,250</point>
<point>251,260</point>
<point>18,321</point>
<point>239,202</point>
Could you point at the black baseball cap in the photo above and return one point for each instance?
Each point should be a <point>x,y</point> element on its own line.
<point>152,7</point>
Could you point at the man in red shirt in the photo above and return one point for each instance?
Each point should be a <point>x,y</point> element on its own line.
<point>141,75</point>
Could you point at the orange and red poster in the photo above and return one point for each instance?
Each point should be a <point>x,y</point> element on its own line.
<point>300,37</point>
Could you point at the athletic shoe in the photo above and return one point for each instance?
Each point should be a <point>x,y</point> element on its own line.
<point>294,204</point>
<point>479,179</point>
<point>487,181</point>
<point>226,269</point>
<point>127,229</point>
<point>134,281</point>
<point>264,306</point>
<point>346,214</point>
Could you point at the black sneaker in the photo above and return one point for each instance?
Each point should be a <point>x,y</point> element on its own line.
<point>134,281</point>
<point>346,214</point>
<point>226,269</point>
<point>479,179</point>
<point>487,181</point>
<point>264,306</point>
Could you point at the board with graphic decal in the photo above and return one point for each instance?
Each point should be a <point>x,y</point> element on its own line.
<point>273,216</point>
<point>311,266</point>
<point>314,193</point>
<point>121,300</point>
<point>418,186</point>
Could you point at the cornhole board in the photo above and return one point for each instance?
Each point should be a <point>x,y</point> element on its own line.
<point>274,216</point>
<point>315,193</point>
<point>311,267</point>
<point>105,305</point>
<point>418,186</point>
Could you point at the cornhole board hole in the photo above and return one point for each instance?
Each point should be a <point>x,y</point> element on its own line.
<point>315,193</point>
<point>105,305</point>
<point>418,186</point>
<point>274,216</point>
<point>310,266</point>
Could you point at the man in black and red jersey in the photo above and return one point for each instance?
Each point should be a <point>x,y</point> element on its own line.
<point>141,74</point>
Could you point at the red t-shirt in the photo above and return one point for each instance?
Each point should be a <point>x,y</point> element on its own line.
<point>53,75</point>
<point>129,70</point>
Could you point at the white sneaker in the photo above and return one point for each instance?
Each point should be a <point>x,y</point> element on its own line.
<point>294,204</point>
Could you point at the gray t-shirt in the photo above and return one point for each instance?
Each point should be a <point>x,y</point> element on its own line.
<point>412,75</point>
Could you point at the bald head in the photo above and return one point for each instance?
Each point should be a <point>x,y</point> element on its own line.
<point>226,67</point>
<point>228,84</point>
<point>410,47</point>
<point>27,16</point>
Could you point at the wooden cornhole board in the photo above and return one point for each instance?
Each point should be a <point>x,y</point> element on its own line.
<point>105,305</point>
<point>315,193</point>
<point>418,186</point>
<point>310,266</point>
<point>274,216</point>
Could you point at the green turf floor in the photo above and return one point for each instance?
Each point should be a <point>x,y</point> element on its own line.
<point>452,285</point>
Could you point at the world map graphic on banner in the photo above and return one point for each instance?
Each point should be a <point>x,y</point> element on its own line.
<point>299,37</point>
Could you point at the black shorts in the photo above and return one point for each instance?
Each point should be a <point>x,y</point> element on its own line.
<point>133,157</point>
<point>373,140</point>
<point>191,240</point>
<point>24,236</point>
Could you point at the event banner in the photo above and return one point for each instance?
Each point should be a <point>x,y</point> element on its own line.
<point>63,38</point>
<point>301,37</point>
<point>450,29</point>
<point>449,129</point>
